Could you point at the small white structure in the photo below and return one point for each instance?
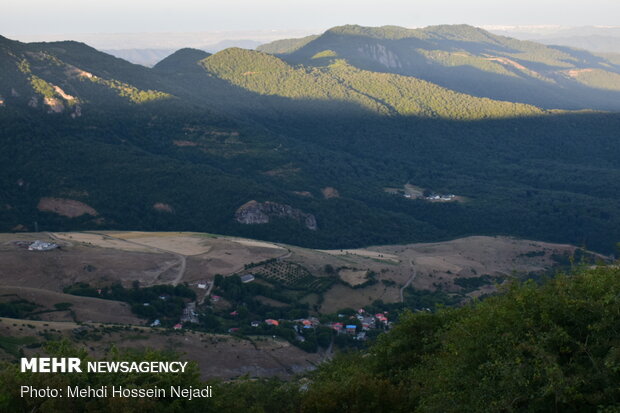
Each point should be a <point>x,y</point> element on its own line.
<point>247,278</point>
<point>202,286</point>
<point>42,246</point>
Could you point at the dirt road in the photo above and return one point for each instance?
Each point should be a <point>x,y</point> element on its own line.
<point>182,259</point>
<point>409,281</point>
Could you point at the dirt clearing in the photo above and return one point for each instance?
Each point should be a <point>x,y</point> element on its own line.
<point>353,277</point>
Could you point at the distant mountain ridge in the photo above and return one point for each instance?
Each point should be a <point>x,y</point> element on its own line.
<point>592,38</point>
<point>473,61</point>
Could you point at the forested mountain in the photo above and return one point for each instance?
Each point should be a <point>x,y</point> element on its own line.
<point>473,61</point>
<point>181,59</point>
<point>322,131</point>
<point>285,46</point>
<point>383,93</point>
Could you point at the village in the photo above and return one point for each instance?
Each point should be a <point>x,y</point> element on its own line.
<point>414,192</point>
<point>355,326</point>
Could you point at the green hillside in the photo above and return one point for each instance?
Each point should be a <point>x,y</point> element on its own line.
<point>379,92</point>
<point>534,348</point>
<point>46,77</point>
<point>413,97</point>
<point>285,46</point>
<point>267,75</point>
<point>180,60</point>
<point>597,78</point>
<point>206,134</point>
<point>469,60</point>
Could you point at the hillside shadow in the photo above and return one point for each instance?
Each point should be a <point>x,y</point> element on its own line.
<point>588,59</point>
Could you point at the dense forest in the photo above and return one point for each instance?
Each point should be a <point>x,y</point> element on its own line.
<point>536,348</point>
<point>203,134</point>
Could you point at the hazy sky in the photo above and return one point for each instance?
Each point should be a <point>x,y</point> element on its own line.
<point>19,17</point>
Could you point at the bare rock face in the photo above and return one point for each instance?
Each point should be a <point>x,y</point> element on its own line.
<point>254,212</point>
<point>381,54</point>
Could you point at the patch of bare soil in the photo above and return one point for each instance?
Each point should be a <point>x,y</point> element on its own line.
<point>341,296</point>
<point>286,170</point>
<point>218,356</point>
<point>66,207</point>
<point>329,192</point>
<point>78,262</point>
<point>99,240</point>
<point>366,253</point>
<point>576,72</point>
<point>353,277</point>
<point>162,207</point>
<point>184,143</point>
<point>178,243</point>
<point>84,309</point>
<point>439,264</point>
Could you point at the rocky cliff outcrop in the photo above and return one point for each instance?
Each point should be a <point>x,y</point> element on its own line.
<point>254,212</point>
<point>381,54</point>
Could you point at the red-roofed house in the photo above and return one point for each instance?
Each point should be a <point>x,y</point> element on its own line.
<point>337,327</point>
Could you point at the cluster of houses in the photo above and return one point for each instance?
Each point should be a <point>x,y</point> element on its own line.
<point>435,197</point>
<point>432,197</point>
<point>367,321</point>
<point>303,324</point>
<point>189,313</point>
<point>357,326</point>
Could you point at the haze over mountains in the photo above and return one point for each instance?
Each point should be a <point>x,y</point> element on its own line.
<point>603,39</point>
<point>149,48</point>
<point>328,127</point>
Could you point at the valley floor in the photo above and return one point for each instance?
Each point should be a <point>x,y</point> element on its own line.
<point>35,285</point>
